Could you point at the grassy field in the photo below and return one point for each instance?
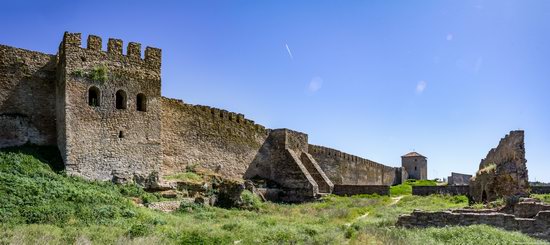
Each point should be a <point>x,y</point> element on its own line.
<point>39,205</point>
<point>406,188</point>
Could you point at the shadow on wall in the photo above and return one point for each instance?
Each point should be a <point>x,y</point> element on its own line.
<point>27,98</point>
<point>256,170</point>
<point>278,169</point>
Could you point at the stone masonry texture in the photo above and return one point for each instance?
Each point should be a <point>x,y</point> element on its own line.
<point>279,162</point>
<point>212,138</point>
<point>441,190</point>
<point>101,141</point>
<point>104,111</point>
<point>503,172</point>
<point>416,166</point>
<point>350,190</point>
<point>459,179</point>
<point>27,97</point>
<point>532,218</point>
<point>345,169</point>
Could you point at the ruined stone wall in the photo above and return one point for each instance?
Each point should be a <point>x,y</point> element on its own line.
<point>459,179</point>
<point>345,169</point>
<point>102,141</point>
<point>442,190</point>
<point>350,190</point>
<point>215,139</point>
<point>503,172</point>
<point>540,189</point>
<point>27,97</point>
<point>538,226</point>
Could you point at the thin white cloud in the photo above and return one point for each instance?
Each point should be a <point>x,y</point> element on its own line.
<point>315,84</point>
<point>449,37</point>
<point>289,52</point>
<point>479,64</point>
<point>421,86</point>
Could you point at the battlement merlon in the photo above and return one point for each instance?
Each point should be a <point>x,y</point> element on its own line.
<point>152,57</point>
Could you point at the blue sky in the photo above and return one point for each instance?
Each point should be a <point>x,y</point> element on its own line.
<point>372,78</point>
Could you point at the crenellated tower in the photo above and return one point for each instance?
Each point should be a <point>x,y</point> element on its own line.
<point>108,109</point>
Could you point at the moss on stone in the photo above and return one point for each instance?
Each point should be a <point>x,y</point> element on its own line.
<point>99,73</point>
<point>491,167</point>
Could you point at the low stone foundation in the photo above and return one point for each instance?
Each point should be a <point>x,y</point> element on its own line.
<point>443,190</point>
<point>540,189</point>
<point>529,209</point>
<point>349,190</point>
<point>531,218</point>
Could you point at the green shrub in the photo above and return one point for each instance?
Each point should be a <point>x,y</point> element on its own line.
<point>190,206</point>
<point>458,199</point>
<point>138,230</point>
<point>543,197</point>
<point>99,73</point>
<point>186,177</point>
<point>406,188</point>
<point>413,182</point>
<point>34,194</point>
<point>399,190</point>
<point>250,200</point>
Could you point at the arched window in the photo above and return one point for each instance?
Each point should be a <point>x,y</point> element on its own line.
<point>93,96</point>
<point>120,99</point>
<point>141,102</point>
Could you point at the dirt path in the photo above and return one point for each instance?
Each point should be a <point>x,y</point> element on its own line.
<point>395,200</point>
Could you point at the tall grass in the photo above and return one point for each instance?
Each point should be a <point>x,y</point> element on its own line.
<point>40,206</point>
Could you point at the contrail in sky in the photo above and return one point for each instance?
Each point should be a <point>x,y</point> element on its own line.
<point>289,52</point>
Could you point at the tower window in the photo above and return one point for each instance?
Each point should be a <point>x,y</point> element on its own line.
<point>141,102</point>
<point>120,99</point>
<point>120,134</point>
<point>93,96</point>
<point>414,168</point>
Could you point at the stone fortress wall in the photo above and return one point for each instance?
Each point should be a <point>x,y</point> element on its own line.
<point>27,97</point>
<point>103,132</point>
<point>284,162</point>
<point>104,111</point>
<point>459,179</point>
<point>540,189</point>
<point>219,140</point>
<point>350,190</point>
<point>346,169</point>
<point>441,190</point>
